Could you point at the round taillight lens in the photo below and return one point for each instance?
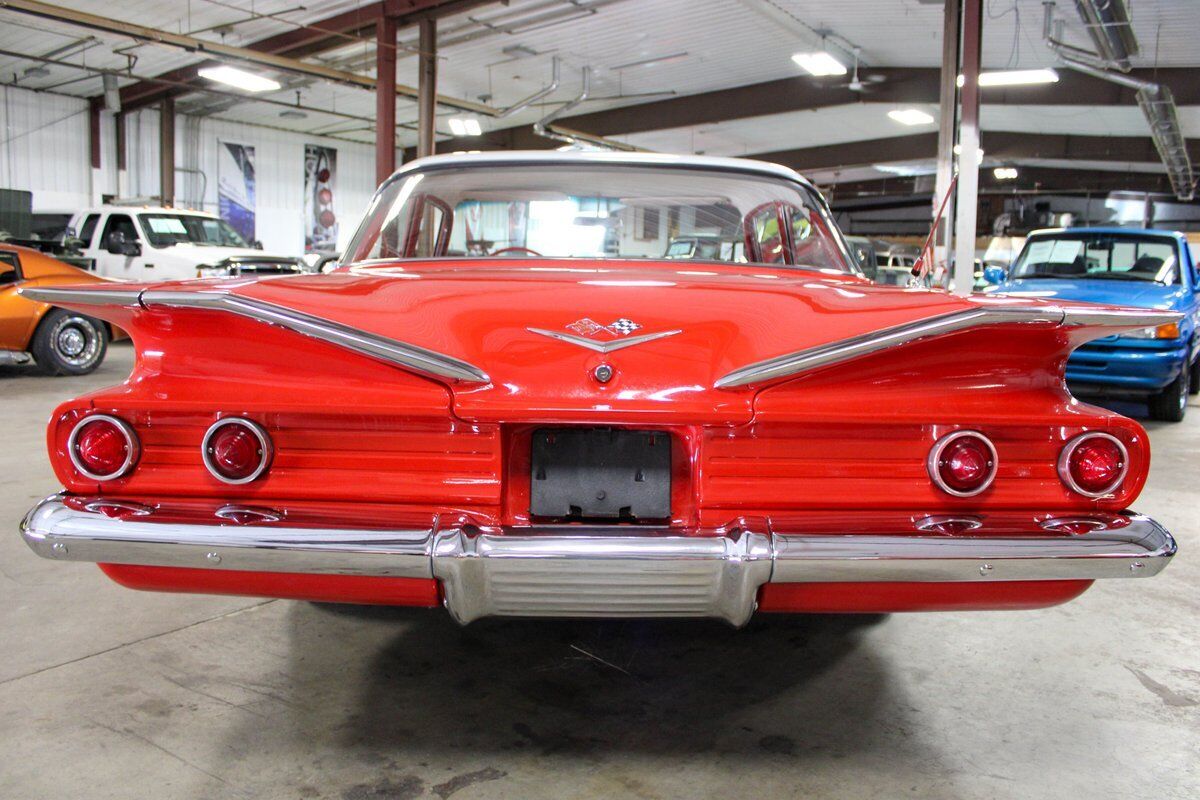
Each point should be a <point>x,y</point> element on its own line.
<point>236,450</point>
<point>103,448</point>
<point>1093,464</point>
<point>963,463</point>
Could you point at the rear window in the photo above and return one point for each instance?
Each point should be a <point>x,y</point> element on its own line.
<point>609,211</point>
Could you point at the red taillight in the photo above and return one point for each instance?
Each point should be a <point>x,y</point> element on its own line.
<point>236,450</point>
<point>103,448</point>
<point>963,463</point>
<point>1093,464</point>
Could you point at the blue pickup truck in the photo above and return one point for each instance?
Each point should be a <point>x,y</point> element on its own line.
<point>1126,267</point>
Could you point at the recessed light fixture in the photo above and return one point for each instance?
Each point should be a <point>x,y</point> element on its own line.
<point>819,64</point>
<point>910,116</point>
<point>240,79</point>
<point>465,126</point>
<point>1015,77</point>
<point>1005,173</point>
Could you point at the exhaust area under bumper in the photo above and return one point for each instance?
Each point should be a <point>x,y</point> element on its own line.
<point>591,571</point>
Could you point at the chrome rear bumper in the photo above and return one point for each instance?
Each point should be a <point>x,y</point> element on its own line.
<point>581,571</point>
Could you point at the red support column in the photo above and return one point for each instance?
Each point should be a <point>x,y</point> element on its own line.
<point>385,98</point>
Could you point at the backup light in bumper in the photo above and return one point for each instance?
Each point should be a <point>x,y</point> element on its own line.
<point>609,572</point>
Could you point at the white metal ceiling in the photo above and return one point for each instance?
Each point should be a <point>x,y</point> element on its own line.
<point>503,53</point>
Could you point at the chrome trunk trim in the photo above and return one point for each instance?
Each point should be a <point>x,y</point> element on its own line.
<point>574,571</point>
<point>381,348</point>
<point>876,341</point>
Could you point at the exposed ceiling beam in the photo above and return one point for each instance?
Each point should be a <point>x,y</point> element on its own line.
<point>901,85</point>
<point>996,145</point>
<point>271,60</point>
<point>1029,179</point>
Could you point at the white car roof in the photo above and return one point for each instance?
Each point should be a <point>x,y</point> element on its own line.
<point>603,157</point>
<point>147,210</point>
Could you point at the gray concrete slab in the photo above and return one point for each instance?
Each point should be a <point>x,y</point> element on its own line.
<point>110,693</point>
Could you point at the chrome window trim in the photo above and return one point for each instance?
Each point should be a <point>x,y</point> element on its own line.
<point>835,352</point>
<point>264,442</point>
<point>935,455</point>
<point>380,348</point>
<point>132,445</point>
<point>1064,469</point>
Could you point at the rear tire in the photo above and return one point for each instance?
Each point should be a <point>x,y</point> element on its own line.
<point>1194,383</point>
<point>68,343</point>
<point>1170,404</point>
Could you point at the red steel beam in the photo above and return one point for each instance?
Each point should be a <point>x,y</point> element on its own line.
<point>385,99</point>
<point>316,37</point>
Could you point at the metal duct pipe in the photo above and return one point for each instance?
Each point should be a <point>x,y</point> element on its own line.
<point>542,126</point>
<point>1112,33</point>
<point>1111,29</point>
<point>1159,108</point>
<point>1113,77</point>
<point>538,95</point>
<point>546,127</point>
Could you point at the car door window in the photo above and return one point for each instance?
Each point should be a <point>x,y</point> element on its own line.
<point>119,223</point>
<point>9,271</point>
<point>88,229</point>
<point>767,237</point>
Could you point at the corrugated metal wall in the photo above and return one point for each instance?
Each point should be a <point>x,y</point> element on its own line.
<point>44,149</point>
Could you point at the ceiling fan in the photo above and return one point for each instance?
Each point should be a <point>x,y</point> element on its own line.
<point>856,84</point>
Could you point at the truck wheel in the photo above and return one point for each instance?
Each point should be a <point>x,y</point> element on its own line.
<point>67,343</point>
<point>1170,404</point>
<point>1194,383</point>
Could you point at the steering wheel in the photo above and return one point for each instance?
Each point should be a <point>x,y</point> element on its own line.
<point>504,250</point>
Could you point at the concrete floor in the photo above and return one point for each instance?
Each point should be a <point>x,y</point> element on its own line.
<point>110,693</point>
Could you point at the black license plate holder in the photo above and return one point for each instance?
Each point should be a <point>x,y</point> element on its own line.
<point>600,473</point>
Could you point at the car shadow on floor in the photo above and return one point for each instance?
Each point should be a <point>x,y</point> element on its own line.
<point>786,685</point>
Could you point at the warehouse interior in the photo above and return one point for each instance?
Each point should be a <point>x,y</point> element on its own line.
<point>941,134</point>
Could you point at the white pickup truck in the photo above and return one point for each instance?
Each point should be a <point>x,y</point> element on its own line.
<point>163,244</point>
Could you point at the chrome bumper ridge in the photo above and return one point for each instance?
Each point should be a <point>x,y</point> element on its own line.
<point>590,571</point>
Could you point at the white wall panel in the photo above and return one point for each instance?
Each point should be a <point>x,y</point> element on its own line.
<point>279,167</point>
<point>44,149</point>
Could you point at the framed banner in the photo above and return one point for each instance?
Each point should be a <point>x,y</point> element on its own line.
<point>236,187</point>
<point>320,180</point>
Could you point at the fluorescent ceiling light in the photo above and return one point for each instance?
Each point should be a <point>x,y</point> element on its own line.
<point>1015,77</point>
<point>240,79</point>
<point>1005,173</point>
<point>910,116</point>
<point>293,114</point>
<point>465,126</point>
<point>819,64</point>
<point>905,170</point>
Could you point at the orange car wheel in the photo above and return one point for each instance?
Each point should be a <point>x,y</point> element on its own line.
<point>68,343</point>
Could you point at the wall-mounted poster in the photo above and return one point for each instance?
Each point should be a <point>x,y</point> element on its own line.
<point>320,177</point>
<point>235,187</point>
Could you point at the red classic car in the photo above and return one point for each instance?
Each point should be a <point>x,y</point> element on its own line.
<point>508,402</point>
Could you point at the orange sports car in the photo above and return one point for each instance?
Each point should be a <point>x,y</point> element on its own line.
<point>61,342</point>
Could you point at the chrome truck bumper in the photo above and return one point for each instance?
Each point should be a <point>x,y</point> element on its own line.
<point>580,571</point>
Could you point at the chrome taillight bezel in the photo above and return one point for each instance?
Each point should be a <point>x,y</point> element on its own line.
<point>1064,464</point>
<point>264,442</point>
<point>133,447</point>
<point>935,455</point>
